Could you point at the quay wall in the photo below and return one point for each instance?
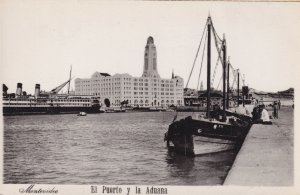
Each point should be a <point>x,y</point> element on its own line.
<point>267,154</point>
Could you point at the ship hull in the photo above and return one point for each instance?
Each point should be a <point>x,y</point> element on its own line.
<point>49,110</point>
<point>185,136</point>
<point>191,145</point>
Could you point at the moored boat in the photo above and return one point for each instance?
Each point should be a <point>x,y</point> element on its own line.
<point>185,136</point>
<point>53,105</point>
<point>20,103</point>
<point>183,133</point>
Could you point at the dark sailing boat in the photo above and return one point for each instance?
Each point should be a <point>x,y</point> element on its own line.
<point>222,128</point>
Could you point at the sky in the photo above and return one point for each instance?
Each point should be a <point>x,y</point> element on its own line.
<point>40,40</point>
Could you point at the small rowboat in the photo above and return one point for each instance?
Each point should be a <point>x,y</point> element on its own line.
<point>81,114</point>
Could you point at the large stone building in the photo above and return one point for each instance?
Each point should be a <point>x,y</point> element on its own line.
<point>149,90</point>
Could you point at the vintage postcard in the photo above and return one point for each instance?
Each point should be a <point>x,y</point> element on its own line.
<point>149,97</point>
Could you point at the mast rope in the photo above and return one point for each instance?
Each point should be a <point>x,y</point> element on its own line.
<point>219,83</point>
<point>234,73</point>
<point>218,41</point>
<point>234,78</point>
<point>202,61</point>
<point>196,54</point>
<point>243,78</point>
<point>233,69</point>
<point>216,34</point>
<point>215,71</point>
<point>217,38</point>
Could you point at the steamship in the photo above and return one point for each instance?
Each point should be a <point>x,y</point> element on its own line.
<point>42,102</point>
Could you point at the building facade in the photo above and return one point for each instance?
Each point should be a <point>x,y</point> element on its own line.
<point>149,90</point>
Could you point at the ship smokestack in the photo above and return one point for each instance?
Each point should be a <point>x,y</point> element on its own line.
<point>37,90</point>
<point>19,89</point>
<point>4,89</point>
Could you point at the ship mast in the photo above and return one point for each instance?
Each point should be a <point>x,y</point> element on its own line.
<point>224,75</point>
<point>208,66</point>
<point>228,68</point>
<point>69,80</point>
<point>238,88</point>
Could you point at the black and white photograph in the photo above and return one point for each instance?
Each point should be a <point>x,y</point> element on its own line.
<point>149,97</point>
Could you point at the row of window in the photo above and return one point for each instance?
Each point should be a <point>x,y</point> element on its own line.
<point>108,81</point>
<point>124,78</point>
<point>162,101</point>
<point>53,100</point>
<point>129,88</point>
<point>147,102</point>
<point>45,104</point>
<point>82,87</point>
<point>136,93</point>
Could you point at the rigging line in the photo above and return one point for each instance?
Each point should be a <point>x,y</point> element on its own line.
<point>217,36</point>
<point>234,82</point>
<point>219,55</point>
<point>215,70</point>
<point>216,41</point>
<point>235,74</point>
<point>217,59</point>
<point>234,78</point>
<point>243,77</point>
<point>219,82</point>
<point>213,27</point>
<point>232,69</point>
<point>231,73</point>
<point>219,49</point>
<point>202,60</point>
<point>196,55</point>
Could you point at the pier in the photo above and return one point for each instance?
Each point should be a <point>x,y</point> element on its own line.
<point>266,157</point>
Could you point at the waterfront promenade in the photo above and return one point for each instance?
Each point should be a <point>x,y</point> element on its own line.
<point>267,155</point>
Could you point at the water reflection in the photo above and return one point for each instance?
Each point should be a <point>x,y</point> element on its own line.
<point>179,164</point>
<point>101,149</point>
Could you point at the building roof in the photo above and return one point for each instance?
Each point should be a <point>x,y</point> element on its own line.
<point>104,74</point>
<point>150,40</point>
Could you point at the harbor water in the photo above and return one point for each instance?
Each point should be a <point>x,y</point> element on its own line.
<point>108,148</point>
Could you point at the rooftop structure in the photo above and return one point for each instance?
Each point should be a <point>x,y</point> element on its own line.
<point>149,90</point>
